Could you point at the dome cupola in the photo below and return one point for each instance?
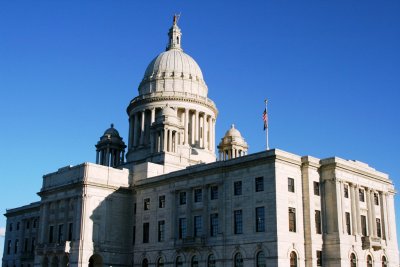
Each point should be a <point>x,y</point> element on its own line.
<point>232,145</point>
<point>110,150</point>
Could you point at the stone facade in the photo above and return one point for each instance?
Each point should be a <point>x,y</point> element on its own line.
<point>171,204</point>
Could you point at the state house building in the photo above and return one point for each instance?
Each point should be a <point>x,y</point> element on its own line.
<point>164,199</point>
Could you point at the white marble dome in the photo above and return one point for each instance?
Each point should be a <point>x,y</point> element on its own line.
<point>173,71</point>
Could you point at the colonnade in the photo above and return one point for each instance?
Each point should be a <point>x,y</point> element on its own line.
<point>109,157</point>
<point>372,231</point>
<point>231,153</point>
<point>198,130</point>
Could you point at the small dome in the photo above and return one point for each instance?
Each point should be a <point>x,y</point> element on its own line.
<point>233,132</point>
<point>111,131</point>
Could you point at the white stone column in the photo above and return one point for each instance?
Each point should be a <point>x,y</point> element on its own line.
<point>204,131</point>
<point>357,199</point>
<point>209,132</point>
<point>153,116</point>
<point>382,204</point>
<point>170,141</point>
<point>165,139</point>
<point>369,207</point>
<point>186,137</point>
<point>197,124</point>
<point>97,157</point>
<point>375,230</point>
<point>142,131</point>
<point>213,134</point>
<point>353,209</point>
<point>193,126</point>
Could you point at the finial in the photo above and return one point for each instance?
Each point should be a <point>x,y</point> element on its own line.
<point>233,126</point>
<point>112,125</point>
<point>176,18</point>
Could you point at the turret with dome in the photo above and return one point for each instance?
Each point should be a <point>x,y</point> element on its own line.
<point>173,83</point>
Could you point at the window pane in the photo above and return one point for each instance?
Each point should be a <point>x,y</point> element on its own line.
<point>198,226</point>
<point>260,220</point>
<point>214,192</point>
<point>292,219</point>
<point>261,262</point>
<point>259,184</point>
<point>198,195</point>
<point>214,224</point>
<point>238,223</point>
<point>237,188</point>
<point>291,185</point>
<point>238,260</point>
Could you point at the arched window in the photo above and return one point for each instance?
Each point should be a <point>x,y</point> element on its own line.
<point>145,263</point>
<point>384,261</point>
<point>179,261</point>
<point>261,259</point>
<point>293,259</point>
<point>353,260</point>
<point>177,39</point>
<point>211,261</point>
<point>238,260</point>
<point>195,261</point>
<point>369,261</point>
<point>160,262</point>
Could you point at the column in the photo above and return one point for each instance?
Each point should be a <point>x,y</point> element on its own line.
<point>373,214</point>
<point>204,131</point>
<point>353,210</point>
<point>193,126</point>
<point>212,134</point>
<point>209,132</point>
<point>97,157</point>
<point>186,126</point>
<point>369,207</point>
<point>161,141</point>
<point>383,214</point>
<point>339,205</point>
<point>108,157</point>
<point>196,128</point>
<point>165,145</point>
<point>153,116</point>
<point>135,129</point>
<point>170,141</point>
<point>388,210</point>
<point>142,128</point>
<point>130,139</point>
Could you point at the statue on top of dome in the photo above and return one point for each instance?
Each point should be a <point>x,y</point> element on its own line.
<point>176,18</point>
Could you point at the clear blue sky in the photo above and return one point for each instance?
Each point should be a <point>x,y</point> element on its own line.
<point>331,70</point>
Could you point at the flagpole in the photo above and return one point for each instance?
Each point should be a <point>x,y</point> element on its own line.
<point>266,132</point>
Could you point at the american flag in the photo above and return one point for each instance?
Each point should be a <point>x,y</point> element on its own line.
<point>265,119</point>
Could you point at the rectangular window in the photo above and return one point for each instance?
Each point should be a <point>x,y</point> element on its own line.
<point>28,224</point>
<point>161,202</point>
<point>214,192</point>
<point>319,258</point>
<point>237,188</point>
<point>363,225</point>
<point>198,195</point>
<point>260,219</point>
<point>198,226</point>
<point>70,231</point>
<point>318,222</point>
<point>182,198</point>
<point>33,244</point>
<point>8,247</point>
<point>34,223</point>
<point>361,195</point>
<point>60,233</point>
<point>292,219</point>
<point>316,188</point>
<point>10,227</point>
<point>378,227</point>
<point>146,204</point>
<point>182,228</point>
<point>146,231</point>
<point>376,199</point>
<point>51,234</point>
<point>259,183</point>
<point>214,224</point>
<point>291,185</point>
<point>348,225</point>
<point>16,244</point>
<point>26,243</point>
<point>17,226</point>
<point>161,231</point>
<point>238,222</point>
<point>134,208</point>
<point>346,190</point>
